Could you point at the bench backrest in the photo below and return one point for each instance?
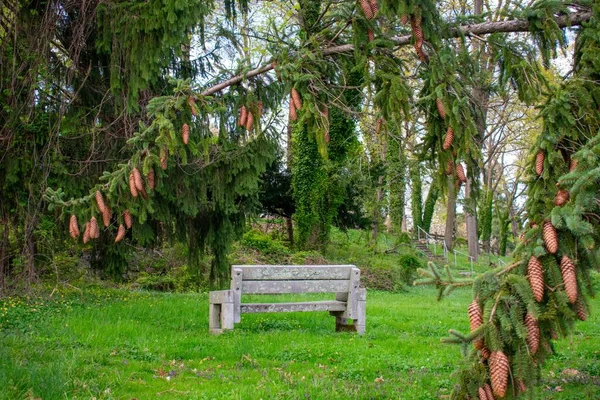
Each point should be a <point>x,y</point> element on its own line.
<point>274,279</point>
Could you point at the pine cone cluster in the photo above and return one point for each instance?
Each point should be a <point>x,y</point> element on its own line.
<point>369,7</point>
<point>475,319</point>
<point>485,393</point>
<point>567,269</point>
<point>539,162</point>
<point>73,227</point>
<point>417,30</point>
<point>243,116</point>
<point>536,278</point>
<point>449,167</point>
<point>249,121</point>
<point>550,237</point>
<point>185,133</point>
<point>440,107</point>
<point>562,197</point>
<point>449,139</point>
<point>132,187</point>
<point>533,333</point>
<point>295,104</point>
<point>499,368</point>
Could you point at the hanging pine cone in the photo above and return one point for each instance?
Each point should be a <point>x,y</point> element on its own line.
<point>132,188</point>
<point>94,230</point>
<point>573,164</point>
<point>567,269</point>
<point>127,219</point>
<point>120,233</point>
<point>449,139</point>
<point>499,367</point>
<point>482,394</point>
<point>521,386</point>
<point>366,7</point>
<point>562,197</point>
<point>259,107</point>
<point>192,103</point>
<point>370,35</point>
<point>404,19</point>
<point>580,310</point>
<point>536,278</point>
<point>73,227</point>
<point>485,353</point>
<point>243,116</point>
<point>475,319</point>
<point>327,137</point>
<point>106,216</point>
<point>374,7</point>
<point>460,173</point>
<point>293,113</point>
<point>449,168</point>
<point>137,179</point>
<point>100,201</point>
<point>378,125</point>
<point>151,179</point>
<point>185,133</point>
<point>488,392</point>
<point>533,333</point>
<point>539,162</point>
<point>440,107</point>
<point>550,237</point>
<point>86,233</point>
<point>296,99</point>
<point>249,121</point>
<point>163,158</point>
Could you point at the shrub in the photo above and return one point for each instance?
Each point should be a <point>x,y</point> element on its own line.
<point>263,243</point>
<point>409,263</point>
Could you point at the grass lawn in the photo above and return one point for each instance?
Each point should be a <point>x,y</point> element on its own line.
<point>109,343</point>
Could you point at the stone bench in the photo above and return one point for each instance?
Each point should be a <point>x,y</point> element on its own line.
<point>348,307</point>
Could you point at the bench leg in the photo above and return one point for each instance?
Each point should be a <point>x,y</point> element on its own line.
<point>361,321</point>
<point>220,312</point>
<point>345,324</point>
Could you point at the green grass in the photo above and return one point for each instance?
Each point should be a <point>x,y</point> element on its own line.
<point>111,343</point>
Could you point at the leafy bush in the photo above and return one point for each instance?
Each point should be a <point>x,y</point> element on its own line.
<point>381,277</point>
<point>409,263</point>
<point>263,243</point>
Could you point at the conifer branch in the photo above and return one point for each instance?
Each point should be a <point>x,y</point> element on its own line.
<point>484,28</point>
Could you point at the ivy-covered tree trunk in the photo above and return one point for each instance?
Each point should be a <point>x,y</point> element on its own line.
<point>397,182</point>
<point>450,213</point>
<point>416,195</point>
<point>429,209</point>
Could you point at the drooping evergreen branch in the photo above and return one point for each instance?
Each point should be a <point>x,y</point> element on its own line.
<point>484,28</point>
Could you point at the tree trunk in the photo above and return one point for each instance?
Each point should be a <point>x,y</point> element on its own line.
<point>450,214</point>
<point>377,207</point>
<point>429,208</point>
<point>471,219</point>
<point>416,196</point>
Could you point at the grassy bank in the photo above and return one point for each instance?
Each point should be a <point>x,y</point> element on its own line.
<point>111,343</point>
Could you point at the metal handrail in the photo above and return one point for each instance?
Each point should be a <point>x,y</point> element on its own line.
<point>471,258</point>
<point>427,237</point>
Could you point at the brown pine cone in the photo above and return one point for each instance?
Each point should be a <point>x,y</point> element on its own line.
<point>327,137</point>
<point>440,107</point>
<point>293,113</point>
<point>106,216</point>
<point>449,167</point>
<point>533,333</point>
<point>120,234</point>
<point>249,121</point>
<point>449,139</point>
<point>404,19</point>
<point>485,353</point>
<point>378,125</point>
<point>73,227</point>
<point>94,230</point>
<point>550,237</point>
<point>370,35</point>
<point>499,367</point>
<point>488,392</point>
<point>127,219</point>
<point>539,162</point>
<point>259,107</point>
<point>567,269</point>
<point>132,188</point>
<point>366,7</point>
<point>521,386</point>
<point>580,310</point>
<point>482,394</point>
<point>151,179</point>
<point>573,164</point>
<point>163,158</point>
<point>374,7</point>
<point>562,197</point>
<point>460,173</point>
<point>185,133</point>
<point>192,103</point>
<point>475,320</point>
<point>86,233</point>
<point>536,278</point>
<point>243,116</point>
<point>415,24</point>
<point>137,179</point>
<point>100,201</point>
<point>296,98</point>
